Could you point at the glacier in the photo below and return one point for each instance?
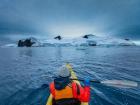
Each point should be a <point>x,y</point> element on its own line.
<point>92,40</point>
<point>86,40</point>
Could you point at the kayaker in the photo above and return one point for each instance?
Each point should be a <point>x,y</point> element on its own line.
<point>67,92</point>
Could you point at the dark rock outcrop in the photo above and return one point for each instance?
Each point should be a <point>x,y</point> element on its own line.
<point>25,43</point>
<point>127,39</point>
<point>85,36</point>
<point>88,35</point>
<point>58,37</point>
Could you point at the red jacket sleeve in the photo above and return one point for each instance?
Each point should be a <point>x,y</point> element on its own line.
<point>81,93</point>
<point>84,94</point>
<point>52,89</point>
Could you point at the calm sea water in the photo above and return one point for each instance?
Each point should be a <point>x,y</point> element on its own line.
<point>23,71</point>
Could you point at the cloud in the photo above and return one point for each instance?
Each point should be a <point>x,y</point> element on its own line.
<point>108,17</point>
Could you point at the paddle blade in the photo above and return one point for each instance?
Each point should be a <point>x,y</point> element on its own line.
<point>120,83</point>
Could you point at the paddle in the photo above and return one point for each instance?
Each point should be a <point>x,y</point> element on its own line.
<point>115,83</point>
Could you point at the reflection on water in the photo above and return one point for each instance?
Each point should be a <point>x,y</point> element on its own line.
<point>25,52</point>
<point>58,53</point>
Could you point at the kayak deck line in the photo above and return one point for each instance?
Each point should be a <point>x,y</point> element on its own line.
<point>73,75</point>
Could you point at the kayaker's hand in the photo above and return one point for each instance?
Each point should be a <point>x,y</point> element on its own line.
<point>87,82</point>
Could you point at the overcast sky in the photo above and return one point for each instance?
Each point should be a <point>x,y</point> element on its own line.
<point>71,17</point>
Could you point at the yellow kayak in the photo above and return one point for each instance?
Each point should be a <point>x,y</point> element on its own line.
<point>73,75</point>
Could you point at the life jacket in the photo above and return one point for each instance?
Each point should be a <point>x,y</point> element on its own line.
<point>75,91</point>
<point>66,96</point>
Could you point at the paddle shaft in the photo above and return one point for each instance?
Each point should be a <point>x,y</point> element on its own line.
<point>95,81</point>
